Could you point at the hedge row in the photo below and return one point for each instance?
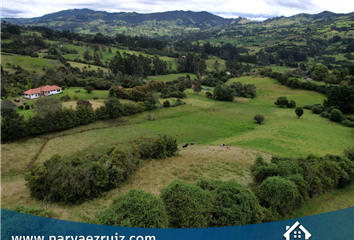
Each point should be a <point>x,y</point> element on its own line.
<point>77,179</point>
<point>15,126</point>
<point>283,184</point>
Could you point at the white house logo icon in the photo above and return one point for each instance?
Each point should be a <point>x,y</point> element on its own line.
<point>298,233</point>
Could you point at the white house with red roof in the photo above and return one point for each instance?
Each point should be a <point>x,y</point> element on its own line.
<point>42,91</point>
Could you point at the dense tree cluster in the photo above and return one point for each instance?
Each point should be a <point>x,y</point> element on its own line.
<point>81,178</point>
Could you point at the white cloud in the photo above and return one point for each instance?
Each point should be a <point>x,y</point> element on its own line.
<point>225,8</point>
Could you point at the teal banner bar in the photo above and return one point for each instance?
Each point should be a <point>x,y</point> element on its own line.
<point>328,226</point>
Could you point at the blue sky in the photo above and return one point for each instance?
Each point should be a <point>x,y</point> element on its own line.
<point>255,9</point>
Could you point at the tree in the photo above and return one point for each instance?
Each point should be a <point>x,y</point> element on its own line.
<point>187,205</point>
<point>47,106</point>
<point>216,66</point>
<point>87,55</point>
<point>291,104</point>
<point>197,88</point>
<point>84,102</point>
<point>278,194</point>
<point>96,58</point>
<point>336,116</point>
<point>341,97</point>
<point>28,86</point>
<point>166,104</point>
<point>12,124</point>
<point>259,118</point>
<point>235,205</point>
<point>282,102</point>
<point>89,89</point>
<point>299,111</point>
<point>114,107</point>
<point>321,72</point>
<point>136,209</point>
<point>224,93</point>
<point>7,103</point>
<point>4,92</point>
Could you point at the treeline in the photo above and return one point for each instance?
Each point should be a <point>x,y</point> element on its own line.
<point>131,64</point>
<point>282,185</point>
<point>57,118</point>
<point>278,189</point>
<point>77,179</point>
<point>139,93</point>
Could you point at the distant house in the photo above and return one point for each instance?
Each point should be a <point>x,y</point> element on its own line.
<point>42,91</point>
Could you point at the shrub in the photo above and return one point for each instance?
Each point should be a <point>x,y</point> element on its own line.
<point>20,107</point>
<point>89,89</point>
<point>292,104</point>
<point>318,109</point>
<point>349,153</point>
<point>129,109</point>
<point>78,179</point>
<point>101,112</point>
<point>299,111</point>
<point>76,97</point>
<point>282,102</point>
<point>162,147</point>
<point>278,194</point>
<point>65,98</point>
<point>86,103</point>
<point>166,104</point>
<point>187,205</point>
<point>262,172</point>
<point>346,123</point>
<point>7,103</point>
<point>136,209</point>
<point>235,205</point>
<point>209,94</point>
<point>325,115</point>
<point>95,97</point>
<point>27,107</point>
<point>259,118</point>
<point>141,107</point>
<point>336,116</point>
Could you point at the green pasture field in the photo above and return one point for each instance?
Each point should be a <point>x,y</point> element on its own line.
<point>28,63</point>
<point>171,77</point>
<point>206,122</point>
<point>83,65</point>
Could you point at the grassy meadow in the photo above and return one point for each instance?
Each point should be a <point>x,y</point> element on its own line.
<point>206,122</point>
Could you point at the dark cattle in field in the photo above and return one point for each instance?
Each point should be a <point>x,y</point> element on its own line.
<point>185,145</point>
<point>192,143</point>
<point>223,145</point>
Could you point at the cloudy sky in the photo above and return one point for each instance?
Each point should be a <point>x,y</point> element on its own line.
<point>255,9</point>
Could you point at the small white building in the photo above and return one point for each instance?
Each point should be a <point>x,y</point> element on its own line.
<point>42,91</point>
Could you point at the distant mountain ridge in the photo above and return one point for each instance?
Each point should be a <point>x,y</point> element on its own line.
<point>171,23</point>
<point>131,17</point>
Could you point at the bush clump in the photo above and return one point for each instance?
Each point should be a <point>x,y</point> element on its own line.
<point>235,205</point>
<point>278,194</point>
<point>77,179</point>
<point>259,118</point>
<point>162,147</point>
<point>136,209</point>
<point>187,205</point>
<point>166,104</point>
<point>336,116</point>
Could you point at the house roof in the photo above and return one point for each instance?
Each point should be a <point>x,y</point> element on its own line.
<point>38,90</point>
